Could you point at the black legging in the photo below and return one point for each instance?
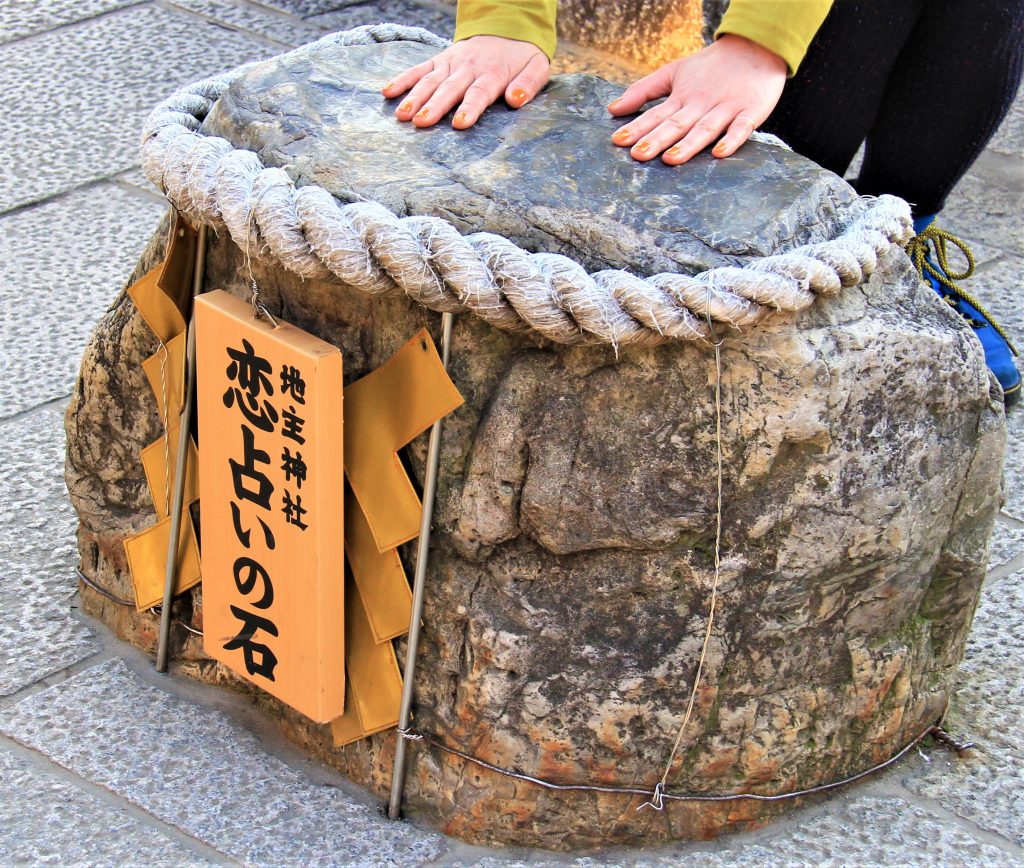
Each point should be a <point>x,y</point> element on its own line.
<point>924,83</point>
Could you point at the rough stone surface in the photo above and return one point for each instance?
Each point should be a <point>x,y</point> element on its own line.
<point>499,174</point>
<point>47,821</point>
<point>988,786</point>
<point>38,636</point>
<point>575,523</point>
<point>57,261</point>
<point>233,795</point>
<point>80,94</point>
<point>857,832</point>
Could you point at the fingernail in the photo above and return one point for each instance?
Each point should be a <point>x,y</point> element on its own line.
<point>642,147</point>
<point>719,150</point>
<point>405,106</point>
<point>460,118</point>
<point>614,103</point>
<point>423,113</point>
<point>388,86</point>
<point>673,152</point>
<point>621,135</point>
<point>519,96</point>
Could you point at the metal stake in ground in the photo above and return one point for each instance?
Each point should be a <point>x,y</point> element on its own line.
<point>419,583</point>
<point>170,577</point>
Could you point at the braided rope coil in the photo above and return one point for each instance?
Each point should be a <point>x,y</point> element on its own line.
<point>367,247</point>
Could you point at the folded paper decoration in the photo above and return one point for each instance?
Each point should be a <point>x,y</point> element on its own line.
<point>384,411</point>
<point>162,296</point>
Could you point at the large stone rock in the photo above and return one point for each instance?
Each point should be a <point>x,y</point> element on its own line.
<point>574,552</point>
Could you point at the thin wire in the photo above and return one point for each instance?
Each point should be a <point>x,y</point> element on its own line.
<point>153,610</point>
<point>259,309</point>
<point>940,736</point>
<point>659,789</point>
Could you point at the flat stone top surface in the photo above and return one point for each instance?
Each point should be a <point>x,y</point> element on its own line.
<point>546,176</point>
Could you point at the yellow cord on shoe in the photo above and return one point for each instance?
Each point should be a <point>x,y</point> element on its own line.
<point>917,250</point>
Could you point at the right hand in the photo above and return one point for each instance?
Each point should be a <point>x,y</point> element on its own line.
<point>473,72</point>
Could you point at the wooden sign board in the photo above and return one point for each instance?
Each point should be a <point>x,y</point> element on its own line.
<point>272,506</point>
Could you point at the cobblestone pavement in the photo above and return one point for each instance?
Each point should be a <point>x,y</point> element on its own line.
<point>104,762</point>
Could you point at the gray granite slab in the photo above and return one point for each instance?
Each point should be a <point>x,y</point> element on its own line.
<point>1009,138</point>
<point>436,18</point>
<point>61,264</point>
<point>21,18</point>
<point>999,285</point>
<point>1013,466</point>
<point>306,8</point>
<point>271,24</point>
<point>136,180</point>
<point>987,786</point>
<point>38,636</point>
<point>46,820</point>
<point>75,98</point>
<point>195,768</point>
<point>868,831</point>
<point>858,831</point>
<point>988,206</point>
<point>1007,543</point>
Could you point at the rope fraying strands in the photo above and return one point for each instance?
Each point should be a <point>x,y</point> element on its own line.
<point>309,232</point>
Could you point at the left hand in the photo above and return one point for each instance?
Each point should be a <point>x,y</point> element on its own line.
<point>729,87</point>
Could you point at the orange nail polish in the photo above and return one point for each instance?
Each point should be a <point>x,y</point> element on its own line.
<point>621,135</point>
<point>423,113</point>
<point>388,86</point>
<point>673,152</point>
<point>642,147</point>
<point>405,106</point>
<point>519,96</point>
<point>460,118</point>
<point>719,150</point>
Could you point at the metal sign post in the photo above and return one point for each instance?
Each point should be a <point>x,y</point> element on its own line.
<point>181,464</point>
<point>419,584</point>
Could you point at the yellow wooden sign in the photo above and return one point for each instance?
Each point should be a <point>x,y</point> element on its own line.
<point>270,432</point>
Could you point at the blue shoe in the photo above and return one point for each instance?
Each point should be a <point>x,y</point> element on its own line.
<point>999,350</point>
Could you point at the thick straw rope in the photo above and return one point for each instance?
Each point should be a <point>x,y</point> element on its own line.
<point>364,245</point>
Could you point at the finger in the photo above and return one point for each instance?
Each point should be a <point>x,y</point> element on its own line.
<point>632,132</point>
<point>447,95</point>
<point>739,131</point>
<point>528,83</point>
<point>422,91</point>
<point>701,134</point>
<point>480,94</point>
<point>653,86</point>
<point>673,128</point>
<point>406,79</point>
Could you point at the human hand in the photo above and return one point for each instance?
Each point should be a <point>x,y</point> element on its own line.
<point>475,71</point>
<point>730,87</point>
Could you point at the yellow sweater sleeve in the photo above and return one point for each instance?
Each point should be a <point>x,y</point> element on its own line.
<point>526,20</point>
<point>783,26</point>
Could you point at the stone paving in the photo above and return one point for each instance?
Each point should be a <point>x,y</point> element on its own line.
<point>102,761</point>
